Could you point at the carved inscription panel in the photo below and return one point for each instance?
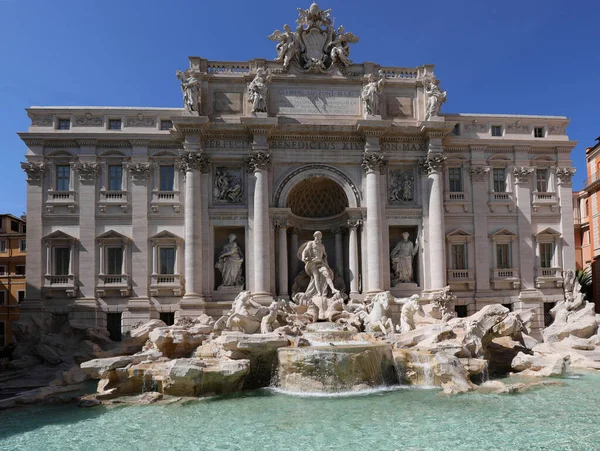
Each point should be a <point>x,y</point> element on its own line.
<point>324,101</point>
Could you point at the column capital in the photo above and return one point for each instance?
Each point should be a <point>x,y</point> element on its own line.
<point>336,230</point>
<point>257,160</point>
<point>34,171</point>
<point>434,162</point>
<point>281,223</point>
<point>194,160</point>
<point>478,173</point>
<point>139,171</point>
<point>374,162</point>
<point>564,175</point>
<point>522,173</point>
<point>87,171</point>
<point>354,223</point>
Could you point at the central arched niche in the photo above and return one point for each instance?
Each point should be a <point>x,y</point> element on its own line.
<point>317,197</point>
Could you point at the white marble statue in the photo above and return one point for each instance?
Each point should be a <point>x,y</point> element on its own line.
<point>402,260</point>
<point>230,264</point>
<point>315,265</point>
<point>288,45</point>
<point>379,319</point>
<point>340,47</point>
<point>266,324</point>
<point>370,95</point>
<point>435,98</point>
<point>245,315</point>
<point>190,87</point>
<point>401,186</point>
<point>409,308</point>
<point>258,91</point>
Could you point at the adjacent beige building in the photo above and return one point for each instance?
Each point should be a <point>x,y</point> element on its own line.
<point>131,211</point>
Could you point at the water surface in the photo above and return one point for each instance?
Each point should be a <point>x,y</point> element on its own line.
<point>548,418</point>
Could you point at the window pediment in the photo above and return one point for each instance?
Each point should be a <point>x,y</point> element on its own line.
<point>113,236</point>
<point>459,236</point>
<point>164,237</point>
<point>503,235</point>
<point>59,235</point>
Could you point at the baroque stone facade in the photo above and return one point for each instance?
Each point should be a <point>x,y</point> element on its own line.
<point>132,224</point>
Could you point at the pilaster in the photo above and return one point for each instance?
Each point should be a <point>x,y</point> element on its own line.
<point>565,199</point>
<point>480,174</point>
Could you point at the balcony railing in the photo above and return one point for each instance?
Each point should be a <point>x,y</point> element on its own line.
<point>542,197</point>
<point>118,198</point>
<point>59,280</point>
<point>505,273</point>
<point>554,273</point>
<point>457,275</point>
<point>113,279</point>
<point>166,279</point>
<point>60,198</point>
<point>165,198</point>
<point>501,196</point>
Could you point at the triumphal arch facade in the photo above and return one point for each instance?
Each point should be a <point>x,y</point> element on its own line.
<point>136,213</point>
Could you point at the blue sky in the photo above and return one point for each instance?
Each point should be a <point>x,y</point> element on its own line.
<point>520,57</point>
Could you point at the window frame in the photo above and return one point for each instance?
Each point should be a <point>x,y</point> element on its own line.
<point>109,178</point>
<point>55,265</point>
<point>459,172</point>
<point>63,123</point>
<point>114,120</point>
<point>165,121</point>
<point>23,245</point>
<point>497,127</point>
<point>464,257</point>
<point>17,272</point>
<point>507,257</point>
<point>59,179</point>
<point>546,181</point>
<point>160,178</point>
<point>502,180</point>
<point>107,249</point>
<point>542,131</point>
<point>3,270</point>
<point>174,257</point>
<point>19,293</point>
<point>3,246</point>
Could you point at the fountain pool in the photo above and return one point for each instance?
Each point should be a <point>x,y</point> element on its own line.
<point>553,417</point>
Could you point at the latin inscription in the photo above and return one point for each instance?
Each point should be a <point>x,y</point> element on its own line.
<point>316,145</point>
<point>225,144</point>
<point>317,101</point>
<point>411,147</point>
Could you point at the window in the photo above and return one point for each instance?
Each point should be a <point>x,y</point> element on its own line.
<point>114,124</point>
<point>503,256</point>
<point>166,124</point>
<point>499,180</point>
<point>167,260</point>
<point>167,178</point>
<point>63,124</point>
<point>2,333</point>
<point>20,296</point>
<point>62,258</point>
<point>115,177</point>
<point>538,132</point>
<point>20,270</point>
<point>546,254</point>
<point>14,226</point>
<point>63,177</point>
<point>2,297</point>
<point>2,270</point>
<point>114,260</point>
<point>459,256</point>
<point>541,179</point>
<point>455,177</point>
<point>168,318</point>
<point>456,130</point>
<point>24,228</point>
<point>23,245</point>
<point>496,130</point>
<point>2,245</point>
<point>586,237</point>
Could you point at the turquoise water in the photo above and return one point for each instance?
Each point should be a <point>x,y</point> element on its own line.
<point>548,418</point>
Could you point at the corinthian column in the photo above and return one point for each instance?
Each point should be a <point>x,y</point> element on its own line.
<point>193,162</point>
<point>258,164</point>
<point>374,165</point>
<point>353,225</point>
<point>434,164</point>
<point>282,258</point>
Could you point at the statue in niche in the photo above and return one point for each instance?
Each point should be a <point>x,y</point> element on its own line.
<point>287,47</point>
<point>402,260</point>
<point>190,87</point>
<point>370,94</point>
<point>401,187</point>
<point>315,265</point>
<point>230,264</point>
<point>227,186</point>
<point>435,98</point>
<point>258,90</point>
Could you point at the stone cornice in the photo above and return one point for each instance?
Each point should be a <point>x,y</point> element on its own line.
<point>190,124</point>
<point>87,142</point>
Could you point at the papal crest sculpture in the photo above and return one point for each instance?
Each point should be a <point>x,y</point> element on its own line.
<point>315,46</point>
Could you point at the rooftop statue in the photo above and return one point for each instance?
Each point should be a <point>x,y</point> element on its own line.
<point>190,87</point>
<point>315,46</point>
<point>258,90</point>
<point>370,94</point>
<point>435,98</point>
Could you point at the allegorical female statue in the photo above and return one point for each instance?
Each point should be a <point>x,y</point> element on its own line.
<point>190,87</point>
<point>370,95</point>
<point>230,264</point>
<point>435,98</point>
<point>402,260</point>
<point>258,91</point>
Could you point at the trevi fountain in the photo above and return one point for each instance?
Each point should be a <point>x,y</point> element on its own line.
<point>321,368</point>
